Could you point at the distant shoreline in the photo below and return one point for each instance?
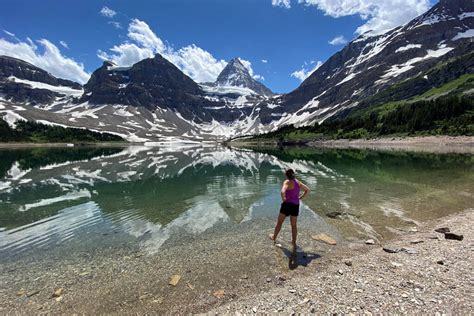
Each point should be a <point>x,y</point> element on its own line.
<point>14,145</point>
<point>458,144</point>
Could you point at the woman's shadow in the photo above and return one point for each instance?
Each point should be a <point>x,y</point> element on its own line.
<point>298,257</point>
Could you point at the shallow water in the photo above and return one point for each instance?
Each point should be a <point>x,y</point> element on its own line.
<point>64,201</point>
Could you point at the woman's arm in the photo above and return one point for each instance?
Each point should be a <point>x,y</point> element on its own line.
<point>283,190</point>
<point>305,189</point>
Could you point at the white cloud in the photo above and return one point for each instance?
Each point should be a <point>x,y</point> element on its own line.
<point>380,15</point>
<point>64,44</point>
<point>117,25</point>
<point>9,33</point>
<point>248,65</point>
<point>304,73</point>
<point>264,61</point>
<point>338,40</point>
<point>281,3</point>
<point>196,62</point>
<point>50,58</point>
<point>107,12</point>
<point>143,43</point>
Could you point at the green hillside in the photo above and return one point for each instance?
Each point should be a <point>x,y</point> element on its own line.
<point>32,132</point>
<point>437,102</point>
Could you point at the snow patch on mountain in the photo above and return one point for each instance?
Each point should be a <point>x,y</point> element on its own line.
<point>68,91</point>
<point>408,47</point>
<point>466,15</point>
<point>397,70</point>
<point>466,34</point>
<point>12,117</point>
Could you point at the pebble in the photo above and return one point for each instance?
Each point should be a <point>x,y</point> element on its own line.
<point>174,280</point>
<point>453,236</point>
<point>416,241</point>
<point>442,230</point>
<point>269,280</point>
<point>370,242</point>
<point>410,251</point>
<point>348,263</point>
<point>32,293</point>
<point>292,291</point>
<point>58,292</point>
<point>391,249</point>
<point>219,293</point>
<point>340,272</point>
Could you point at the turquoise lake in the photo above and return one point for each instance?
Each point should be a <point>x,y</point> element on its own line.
<point>63,201</point>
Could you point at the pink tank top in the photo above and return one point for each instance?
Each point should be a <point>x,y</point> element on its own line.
<point>293,196</point>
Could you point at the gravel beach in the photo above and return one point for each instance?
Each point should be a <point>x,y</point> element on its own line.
<point>420,273</point>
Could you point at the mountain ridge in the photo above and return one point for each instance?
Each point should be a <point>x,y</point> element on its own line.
<point>154,100</point>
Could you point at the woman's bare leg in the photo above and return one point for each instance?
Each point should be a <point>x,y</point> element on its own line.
<point>294,230</point>
<point>280,220</point>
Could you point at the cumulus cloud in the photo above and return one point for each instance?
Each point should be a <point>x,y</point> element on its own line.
<point>305,72</point>
<point>281,3</point>
<point>247,64</point>
<point>264,61</point>
<point>338,40</point>
<point>107,12</point>
<point>196,62</point>
<point>380,16</point>
<point>47,57</point>
<point>64,44</point>
<point>117,25</point>
<point>143,43</point>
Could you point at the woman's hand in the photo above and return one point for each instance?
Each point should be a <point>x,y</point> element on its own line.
<point>305,189</point>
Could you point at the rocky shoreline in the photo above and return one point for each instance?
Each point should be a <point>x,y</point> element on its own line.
<point>438,144</point>
<point>423,272</point>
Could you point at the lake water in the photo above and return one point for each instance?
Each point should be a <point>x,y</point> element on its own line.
<point>58,202</point>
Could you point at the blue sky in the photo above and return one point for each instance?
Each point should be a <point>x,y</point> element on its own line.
<point>198,36</point>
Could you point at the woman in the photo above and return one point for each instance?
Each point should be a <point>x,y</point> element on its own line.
<point>290,194</point>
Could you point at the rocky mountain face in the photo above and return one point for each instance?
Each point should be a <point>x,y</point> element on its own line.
<point>370,64</point>
<point>237,75</point>
<point>151,83</point>
<point>22,82</point>
<point>154,101</point>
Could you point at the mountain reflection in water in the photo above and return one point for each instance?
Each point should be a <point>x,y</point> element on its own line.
<point>55,196</point>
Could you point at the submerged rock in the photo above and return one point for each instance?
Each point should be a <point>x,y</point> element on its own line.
<point>442,230</point>
<point>325,238</point>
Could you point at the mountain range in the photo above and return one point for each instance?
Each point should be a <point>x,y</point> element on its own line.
<point>154,101</point>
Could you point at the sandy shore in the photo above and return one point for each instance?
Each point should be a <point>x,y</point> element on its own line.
<point>430,275</point>
<point>436,144</point>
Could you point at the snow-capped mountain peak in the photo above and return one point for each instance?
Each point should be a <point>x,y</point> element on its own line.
<point>236,74</point>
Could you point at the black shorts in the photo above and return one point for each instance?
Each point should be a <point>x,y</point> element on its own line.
<point>289,208</point>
